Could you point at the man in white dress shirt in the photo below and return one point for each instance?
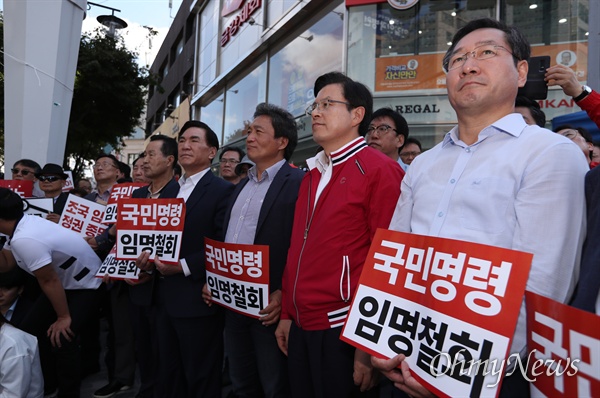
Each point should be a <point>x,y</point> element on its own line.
<point>495,180</point>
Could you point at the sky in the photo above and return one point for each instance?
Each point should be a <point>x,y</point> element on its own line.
<point>155,14</point>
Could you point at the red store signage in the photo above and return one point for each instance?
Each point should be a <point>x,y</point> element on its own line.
<point>234,26</point>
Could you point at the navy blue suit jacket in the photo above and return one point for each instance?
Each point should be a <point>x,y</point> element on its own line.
<point>274,227</point>
<point>589,276</point>
<point>204,213</point>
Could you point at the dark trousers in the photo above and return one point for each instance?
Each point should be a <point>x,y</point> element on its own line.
<point>321,365</point>
<point>190,355</point>
<point>120,358</point>
<point>63,362</point>
<point>146,347</point>
<point>257,367</point>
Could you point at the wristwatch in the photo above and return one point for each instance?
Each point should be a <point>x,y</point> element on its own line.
<point>586,91</point>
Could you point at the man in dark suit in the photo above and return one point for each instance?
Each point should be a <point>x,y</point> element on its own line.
<point>261,212</point>
<point>52,179</point>
<point>157,162</point>
<point>587,294</point>
<point>190,332</point>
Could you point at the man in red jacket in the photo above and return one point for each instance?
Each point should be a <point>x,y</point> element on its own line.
<point>349,192</point>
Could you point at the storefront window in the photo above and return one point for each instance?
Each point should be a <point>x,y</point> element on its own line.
<point>561,32</point>
<point>209,40</point>
<point>278,8</point>
<point>212,114</point>
<point>294,69</point>
<point>241,100</point>
<point>396,51</point>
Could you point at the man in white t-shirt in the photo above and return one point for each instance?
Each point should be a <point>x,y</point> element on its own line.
<point>65,267</point>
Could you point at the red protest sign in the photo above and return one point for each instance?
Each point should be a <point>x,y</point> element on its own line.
<point>82,216</point>
<point>564,349</point>
<point>443,303</point>
<point>153,225</point>
<point>238,276</point>
<point>22,187</point>
<point>118,192</point>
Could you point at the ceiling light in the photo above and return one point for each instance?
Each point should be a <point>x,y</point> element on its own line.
<point>562,20</point>
<point>391,22</point>
<point>533,6</point>
<point>453,13</point>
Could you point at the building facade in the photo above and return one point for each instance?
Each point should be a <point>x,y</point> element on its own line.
<point>251,51</point>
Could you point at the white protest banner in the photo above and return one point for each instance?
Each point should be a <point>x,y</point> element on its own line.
<point>153,225</point>
<point>118,269</point>
<point>443,303</point>
<point>83,216</point>
<point>238,276</point>
<point>38,206</point>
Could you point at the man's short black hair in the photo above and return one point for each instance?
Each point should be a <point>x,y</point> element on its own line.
<point>211,138</point>
<point>283,123</point>
<point>168,146</point>
<point>534,107</point>
<point>231,148</point>
<point>584,132</point>
<point>399,121</point>
<point>518,43</point>
<point>32,164</point>
<point>411,140</point>
<point>355,93</point>
<point>125,169</point>
<point>15,277</point>
<point>112,157</point>
<point>11,205</point>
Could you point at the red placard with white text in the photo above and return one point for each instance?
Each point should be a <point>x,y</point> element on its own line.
<point>564,349</point>
<point>118,192</point>
<point>118,269</point>
<point>440,302</point>
<point>238,276</point>
<point>152,225</point>
<point>22,187</point>
<point>83,216</point>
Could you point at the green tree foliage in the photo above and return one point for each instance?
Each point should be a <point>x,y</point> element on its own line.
<point>108,98</point>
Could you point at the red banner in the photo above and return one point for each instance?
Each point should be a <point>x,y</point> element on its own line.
<point>22,187</point>
<point>118,192</point>
<point>238,276</point>
<point>564,349</point>
<point>444,304</point>
<point>152,225</point>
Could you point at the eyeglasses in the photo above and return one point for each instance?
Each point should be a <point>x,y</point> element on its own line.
<point>48,178</point>
<point>479,53</point>
<point>104,165</point>
<point>230,161</point>
<point>570,134</point>
<point>409,154</point>
<point>382,129</point>
<point>323,105</point>
<point>23,172</point>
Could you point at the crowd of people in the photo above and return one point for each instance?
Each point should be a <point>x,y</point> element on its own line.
<point>497,178</point>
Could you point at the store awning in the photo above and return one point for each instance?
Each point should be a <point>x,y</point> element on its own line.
<point>578,119</point>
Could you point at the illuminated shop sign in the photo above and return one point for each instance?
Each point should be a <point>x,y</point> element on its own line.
<point>232,29</point>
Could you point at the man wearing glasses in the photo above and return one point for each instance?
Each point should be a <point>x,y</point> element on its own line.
<point>387,132</point>
<point>349,192</point>
<point>484,184</point>
<point>25,169</point>
<point>230,157</point>
<point>106,174</point>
